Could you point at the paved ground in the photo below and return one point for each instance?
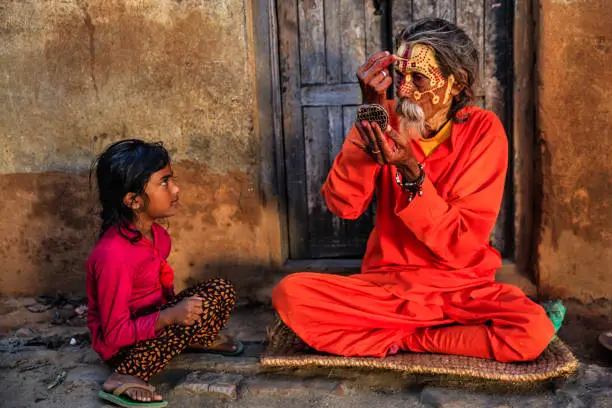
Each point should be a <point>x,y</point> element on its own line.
<point>39,367</point>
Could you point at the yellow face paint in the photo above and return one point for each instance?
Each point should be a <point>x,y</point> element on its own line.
<point>421,59</point>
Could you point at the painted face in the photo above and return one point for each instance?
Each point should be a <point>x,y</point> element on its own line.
<point>163,194</point>
<point>420,74</point>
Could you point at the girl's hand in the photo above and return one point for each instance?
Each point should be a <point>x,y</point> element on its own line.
<point>187,312</point>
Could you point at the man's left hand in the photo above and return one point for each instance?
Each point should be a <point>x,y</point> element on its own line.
<point>398,154</point>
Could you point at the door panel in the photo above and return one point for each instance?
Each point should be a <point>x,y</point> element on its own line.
<point>321,45</point>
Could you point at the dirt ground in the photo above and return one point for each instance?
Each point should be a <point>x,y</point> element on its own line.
<point>582,326</point>
<point>52,365</point>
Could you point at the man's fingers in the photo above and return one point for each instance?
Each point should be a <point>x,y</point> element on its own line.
<point>376,152</point>
<point>381,88</point>
<point>379,66</point>
<point>358,144</point>
<point>393,135</point>
<point>372,60</point>
<point>370,146</point>
<point>380,78</point>
<point>371,137</point>
<point>363,133</point>
<point>384,147</point>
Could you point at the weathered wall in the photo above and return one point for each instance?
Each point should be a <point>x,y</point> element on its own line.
<point>575,101</point>
<point>76,75</point>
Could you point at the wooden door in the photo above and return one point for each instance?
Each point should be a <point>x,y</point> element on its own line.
<point>321,45</point>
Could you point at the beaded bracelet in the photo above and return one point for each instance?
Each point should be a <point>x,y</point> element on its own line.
<point>413,187</point>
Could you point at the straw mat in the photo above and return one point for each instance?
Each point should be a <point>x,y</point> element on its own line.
<point>286,349</point>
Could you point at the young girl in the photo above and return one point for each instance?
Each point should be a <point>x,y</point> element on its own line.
<point>137,324</point>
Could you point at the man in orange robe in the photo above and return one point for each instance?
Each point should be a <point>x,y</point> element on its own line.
<point>427,281</point>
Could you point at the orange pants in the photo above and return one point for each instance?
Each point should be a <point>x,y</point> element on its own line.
<point>351,317</point>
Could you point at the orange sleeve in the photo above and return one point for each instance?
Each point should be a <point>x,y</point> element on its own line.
<point>456,228</point>
<point>351,180</point>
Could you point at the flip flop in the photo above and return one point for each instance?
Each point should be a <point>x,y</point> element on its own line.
<point>221,339</point>
<point>555,310</point>
<point>605,339</point>
<point>121,400</point>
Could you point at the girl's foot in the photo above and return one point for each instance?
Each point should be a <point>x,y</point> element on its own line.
<point>222,345</point>
<point>146,394</point>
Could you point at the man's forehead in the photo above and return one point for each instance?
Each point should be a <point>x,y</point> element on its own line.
<point>415,51</point>
<point>404,50</point>
<point>415,55</point>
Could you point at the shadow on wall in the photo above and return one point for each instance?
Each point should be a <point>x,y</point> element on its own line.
<point>51,224</point>
<point>49,227</point>
<point>254,282</point>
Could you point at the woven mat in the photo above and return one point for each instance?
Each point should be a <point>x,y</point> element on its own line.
<point>285,349</point>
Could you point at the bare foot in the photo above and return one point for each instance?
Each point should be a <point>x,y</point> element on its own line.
<point>137,394</point>
<point>221,343</point>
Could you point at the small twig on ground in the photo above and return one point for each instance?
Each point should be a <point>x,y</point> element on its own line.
<point>34,366</point>
<point>58,380</point>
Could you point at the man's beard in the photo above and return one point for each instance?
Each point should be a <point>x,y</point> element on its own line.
<point>412,118</point>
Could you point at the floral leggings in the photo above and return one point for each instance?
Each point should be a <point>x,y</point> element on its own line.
<point>149,357</point>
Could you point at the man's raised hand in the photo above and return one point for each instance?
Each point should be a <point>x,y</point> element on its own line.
<point>374,77</point>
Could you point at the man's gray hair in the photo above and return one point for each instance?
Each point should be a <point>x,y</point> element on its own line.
<point>455,52</point>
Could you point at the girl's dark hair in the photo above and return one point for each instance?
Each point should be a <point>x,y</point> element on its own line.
<point>125,167</point>
<point>455,52</point>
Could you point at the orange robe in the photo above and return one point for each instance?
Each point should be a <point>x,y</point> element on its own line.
<point>427,281</point>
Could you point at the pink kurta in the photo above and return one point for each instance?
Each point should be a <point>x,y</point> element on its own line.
<point>123,285</point>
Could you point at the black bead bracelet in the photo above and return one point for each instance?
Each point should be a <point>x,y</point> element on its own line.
<point>413,187</point>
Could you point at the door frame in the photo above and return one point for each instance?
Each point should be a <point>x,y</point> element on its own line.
<point>520,270</point>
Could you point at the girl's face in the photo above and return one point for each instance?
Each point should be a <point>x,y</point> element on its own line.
<point>163,195</point>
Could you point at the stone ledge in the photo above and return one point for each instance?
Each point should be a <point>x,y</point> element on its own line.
<point>248,363</point>
<point>224,385</point>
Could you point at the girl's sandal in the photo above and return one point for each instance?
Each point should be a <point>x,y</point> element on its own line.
<point>117,397</point>
<point>605,339</point>
<point>221,345</point>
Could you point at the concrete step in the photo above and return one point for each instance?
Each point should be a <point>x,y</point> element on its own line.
<point>247,363</point>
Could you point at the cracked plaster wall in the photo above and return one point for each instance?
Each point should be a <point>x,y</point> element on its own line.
<point>76,75</point>
<point>575,101</point>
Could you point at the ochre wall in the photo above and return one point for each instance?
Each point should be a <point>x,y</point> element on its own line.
<point>77,75</point>
<point>574,112</point>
